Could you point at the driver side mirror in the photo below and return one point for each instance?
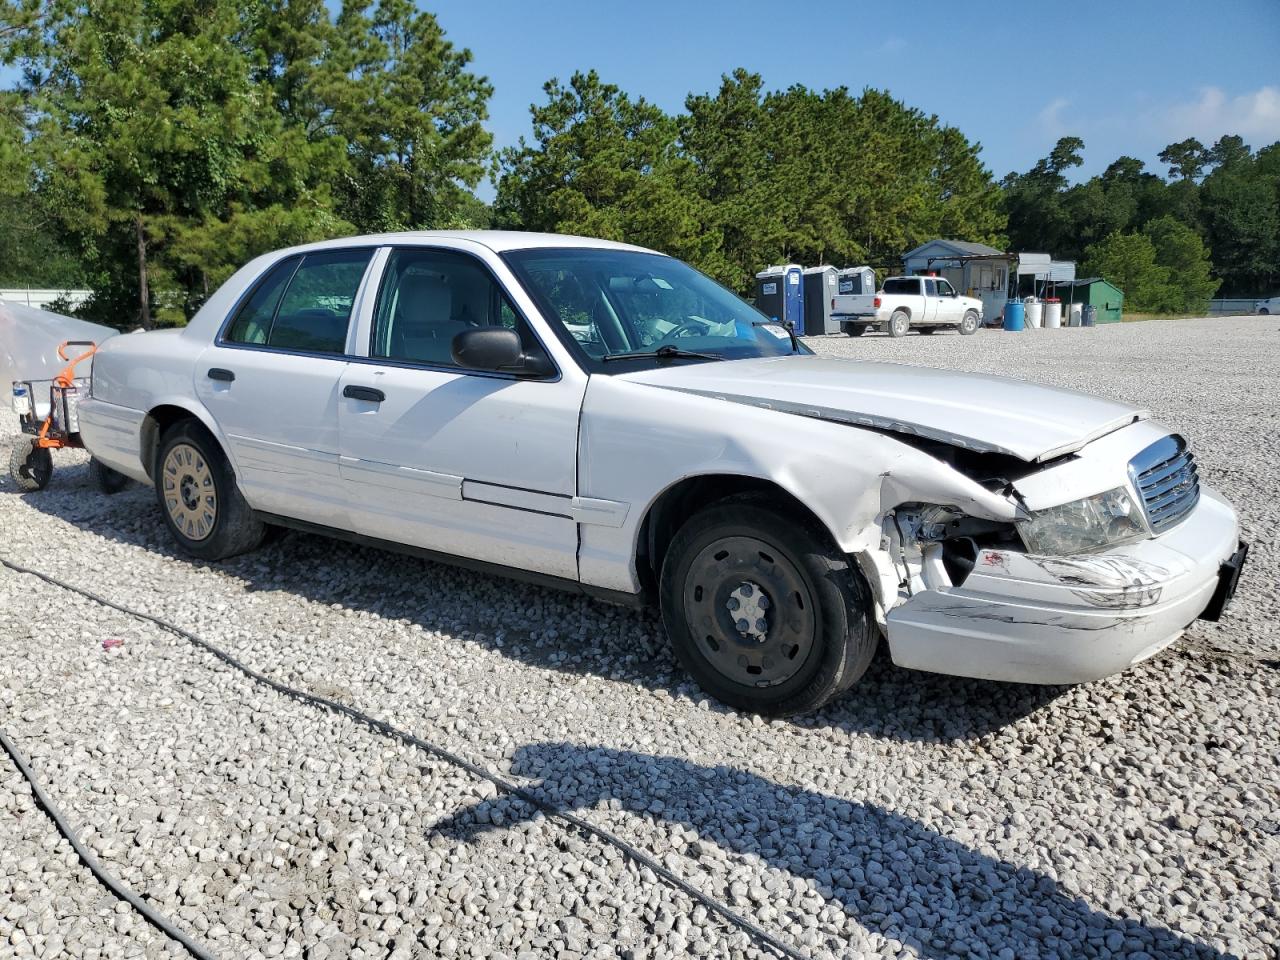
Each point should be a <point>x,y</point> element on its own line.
<point>498,349</point>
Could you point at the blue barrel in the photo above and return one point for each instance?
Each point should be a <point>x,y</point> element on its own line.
<point>1014,315</point>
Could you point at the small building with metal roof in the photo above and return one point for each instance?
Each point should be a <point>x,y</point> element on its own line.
<point>1103,294</point>
<point>974,269</point>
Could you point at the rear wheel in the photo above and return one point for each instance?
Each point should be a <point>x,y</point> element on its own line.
<point>764,612</point>
<point>969,325</point>
<point>1264,311</point>
<point>108,481</point>
<point>898,324</point>
<point>198,497</point>
<point>30,466</point>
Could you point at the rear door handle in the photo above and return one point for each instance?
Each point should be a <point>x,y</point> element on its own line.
<point>364,393</point>
<point>219,373</point>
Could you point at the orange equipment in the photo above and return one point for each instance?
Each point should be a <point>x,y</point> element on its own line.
<point>64,385</point>
<point>30,463</point>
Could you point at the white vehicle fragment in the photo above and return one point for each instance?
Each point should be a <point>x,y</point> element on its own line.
<point>29,341</point>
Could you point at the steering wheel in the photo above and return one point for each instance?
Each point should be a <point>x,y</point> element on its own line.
<point>690,324</point>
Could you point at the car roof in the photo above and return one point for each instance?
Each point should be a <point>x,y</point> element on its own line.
<point>498,241</point>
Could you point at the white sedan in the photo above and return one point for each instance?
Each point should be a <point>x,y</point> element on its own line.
<point>1270,305</point>
<point>605,418</point>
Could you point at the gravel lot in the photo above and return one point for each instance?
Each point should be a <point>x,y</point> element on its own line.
<point>921,816</point>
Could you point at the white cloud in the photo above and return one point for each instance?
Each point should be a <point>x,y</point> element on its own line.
<point>1254,116</point>
<point>1049,119</point>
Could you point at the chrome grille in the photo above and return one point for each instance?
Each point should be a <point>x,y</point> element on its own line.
<point>1165,475</point>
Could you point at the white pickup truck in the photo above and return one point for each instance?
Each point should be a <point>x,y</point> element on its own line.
<point>926,303</point>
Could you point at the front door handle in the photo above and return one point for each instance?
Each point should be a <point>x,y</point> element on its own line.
<point>364,393</point>
<point>220,373</point>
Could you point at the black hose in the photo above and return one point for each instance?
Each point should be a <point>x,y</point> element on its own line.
<point>753,930</point>
<point>108,880</point>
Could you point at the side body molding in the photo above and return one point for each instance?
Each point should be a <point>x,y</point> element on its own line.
<point>394,476</point>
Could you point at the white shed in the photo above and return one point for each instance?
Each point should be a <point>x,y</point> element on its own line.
<point>974,269</point>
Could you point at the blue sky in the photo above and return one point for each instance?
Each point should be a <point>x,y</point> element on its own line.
<point>1141,75</point>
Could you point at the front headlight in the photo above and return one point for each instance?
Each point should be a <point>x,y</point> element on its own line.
<point>1085,526</point>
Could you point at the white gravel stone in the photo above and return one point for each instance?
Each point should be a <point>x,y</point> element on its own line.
<point>920,816</point>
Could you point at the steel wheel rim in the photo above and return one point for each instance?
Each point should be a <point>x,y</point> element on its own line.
<point>775,647</point>
<point>900,324</point>
<point>190,496</point>
<point>970,323</point>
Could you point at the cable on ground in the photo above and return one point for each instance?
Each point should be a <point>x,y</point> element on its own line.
<point>752,929</point>
<point>107,879</point>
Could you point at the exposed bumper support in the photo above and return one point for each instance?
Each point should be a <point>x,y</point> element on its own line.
<point>1068,619</point>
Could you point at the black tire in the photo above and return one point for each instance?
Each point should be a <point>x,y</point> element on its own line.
<point>31,467</point>
<point>1264,312</point>
<point>899,324</point>
<point>969,325</point>
<point>107,481</point>
<point>827,606</point>
<point>211,529</point>
<point>855,329</point>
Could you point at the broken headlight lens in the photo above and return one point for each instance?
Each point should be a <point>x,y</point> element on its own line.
<point>1085,526</point>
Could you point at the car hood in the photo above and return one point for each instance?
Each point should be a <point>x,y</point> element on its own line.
<point>975,411</point>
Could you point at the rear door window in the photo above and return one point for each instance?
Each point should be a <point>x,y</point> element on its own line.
<point>316,307</point>
<point>253,321</point>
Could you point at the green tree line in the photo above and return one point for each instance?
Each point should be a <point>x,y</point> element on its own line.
<point>744,177</point>
<point>152,146</point>
<point>1212,227</point>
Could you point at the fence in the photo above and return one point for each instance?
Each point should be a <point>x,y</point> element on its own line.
<point>1232,306</point>
<point>40,299</point>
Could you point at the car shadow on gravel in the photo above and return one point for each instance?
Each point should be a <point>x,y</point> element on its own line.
<point>542,627</point>
<point>889,873</point>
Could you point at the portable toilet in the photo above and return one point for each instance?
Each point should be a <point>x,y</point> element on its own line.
<point>819,289</point>
<point>855,280</point>
<point>780,294</point>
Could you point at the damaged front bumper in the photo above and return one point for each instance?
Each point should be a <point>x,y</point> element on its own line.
<point>1052,620</point>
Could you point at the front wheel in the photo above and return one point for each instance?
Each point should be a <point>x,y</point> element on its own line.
<point>899,324</point>
<point>764,613</point>
<point>30,466</point>
<point>969,325</point>
<point>198,497</point>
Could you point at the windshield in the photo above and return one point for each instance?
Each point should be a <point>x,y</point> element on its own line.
<point>606,303</point>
